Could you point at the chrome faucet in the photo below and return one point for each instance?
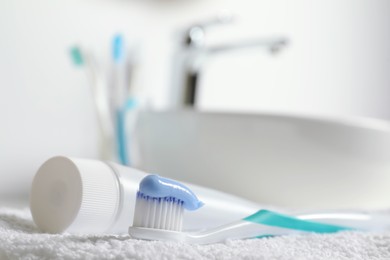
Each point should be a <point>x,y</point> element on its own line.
<point>193,51</point>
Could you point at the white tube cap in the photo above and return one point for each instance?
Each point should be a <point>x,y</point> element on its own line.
<point>74,195</point>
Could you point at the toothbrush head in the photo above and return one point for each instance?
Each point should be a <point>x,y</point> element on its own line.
<point>159,208</point>
<point>159,213</point>
<point>77,56</point>
<point>118,49</point>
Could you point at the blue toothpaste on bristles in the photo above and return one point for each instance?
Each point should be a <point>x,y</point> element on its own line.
<point>161,202</point>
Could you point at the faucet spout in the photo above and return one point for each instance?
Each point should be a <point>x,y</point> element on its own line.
<point>191,59</point>
<point>274,45</point>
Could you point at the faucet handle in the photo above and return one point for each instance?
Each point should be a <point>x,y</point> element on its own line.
<point>195,34</point>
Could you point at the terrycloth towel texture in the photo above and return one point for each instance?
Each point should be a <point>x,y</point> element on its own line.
<point>20,239</point>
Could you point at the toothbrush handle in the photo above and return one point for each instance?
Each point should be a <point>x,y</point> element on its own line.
<point>260,224</point>
<point>353,219</point>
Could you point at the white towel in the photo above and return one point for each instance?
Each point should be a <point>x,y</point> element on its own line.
<point>20,239</point>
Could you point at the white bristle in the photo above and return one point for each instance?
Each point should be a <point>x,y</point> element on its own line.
<point>159,213</point>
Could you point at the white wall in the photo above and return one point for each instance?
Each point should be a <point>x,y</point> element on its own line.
<point>338,63</point>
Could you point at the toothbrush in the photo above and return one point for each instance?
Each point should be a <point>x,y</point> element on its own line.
<point>111,106</point>
<point>159,215</point>
<point>121,103</point>
<point>81,57</point>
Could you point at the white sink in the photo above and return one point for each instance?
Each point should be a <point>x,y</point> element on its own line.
<point>272,159</point>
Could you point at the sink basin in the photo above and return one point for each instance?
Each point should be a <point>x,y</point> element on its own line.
<point>289,161</point>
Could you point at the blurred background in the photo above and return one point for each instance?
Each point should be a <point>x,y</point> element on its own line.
<point>335,64</point>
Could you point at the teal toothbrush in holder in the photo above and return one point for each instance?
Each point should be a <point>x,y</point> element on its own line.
<point>111,97</point>
<point>122,104</point>
<point>97,80</point>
